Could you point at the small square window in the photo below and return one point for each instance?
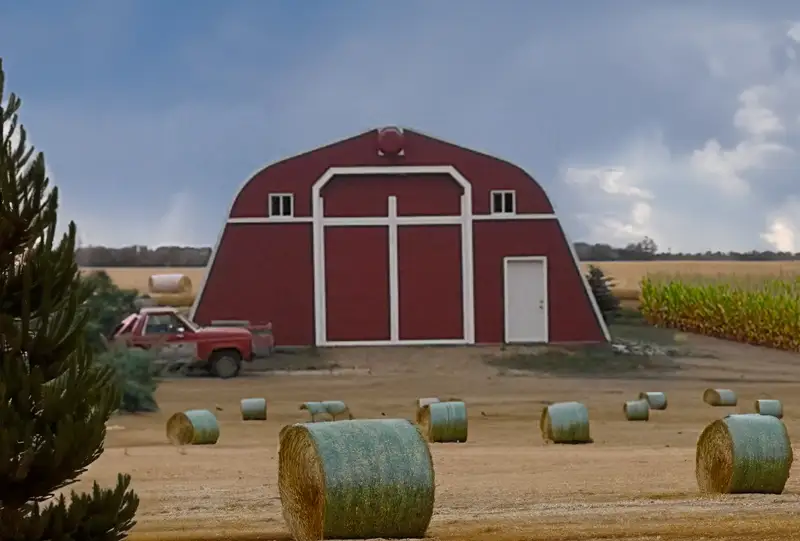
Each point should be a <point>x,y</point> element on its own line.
<point>503,202</point>
<point>281,205</point>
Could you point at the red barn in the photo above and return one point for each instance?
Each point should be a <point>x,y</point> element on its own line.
<point>393,237</point>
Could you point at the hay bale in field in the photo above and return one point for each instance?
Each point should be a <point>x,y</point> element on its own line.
<point>565,422</point>
<point>720,397</point>
<point>770,407</point>
<point>637,410</point>
<point>178,300</point>
<point>444,422</point>
<point>253,409</point>
<point>169,283</point>
<point>193,427</point>
<point>744,453</point>
<point>327,408</point>
<point>281,434</point>
<point>359,479</point>
<point>421,403</point>
<point>656,401</point>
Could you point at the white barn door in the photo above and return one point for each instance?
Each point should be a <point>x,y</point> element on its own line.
<point>525,291</point>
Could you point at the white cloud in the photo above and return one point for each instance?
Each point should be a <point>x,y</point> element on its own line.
<point>676,122</point>
<point>783,227</point>
<point>175,226</point>
<point>717,196</point>
<point>120,227</point>
<point>612,180</point>
<point>794,32</point>
<point>753,117</point>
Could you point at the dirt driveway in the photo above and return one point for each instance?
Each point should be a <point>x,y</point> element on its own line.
<point>635,483</point>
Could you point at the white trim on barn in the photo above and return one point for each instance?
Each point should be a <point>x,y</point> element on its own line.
<point>392,221</point>
<point>545,297</point>
<point>394,271</point>
<point>466,219</point>
<point>228,220</point>
<point>596,307</point>
<point>272,220</point>
<point>383,220</point>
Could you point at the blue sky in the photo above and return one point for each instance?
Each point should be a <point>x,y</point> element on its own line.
<point>674,119</point>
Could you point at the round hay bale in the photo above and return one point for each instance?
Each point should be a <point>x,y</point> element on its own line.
<point>179,300</point>
<point>169,283</point>
<point>444,422</point>
<point>193,427</point>
<point>719,397</point>
<point>253,409</point>
<point>361,479</point>
<point>744,453</point>
<point>421,403</point>
<point>565,422</point>
<point>637,410</point>
<point>770,407</point>
<point>281,434</point>
<point>656,401</point>
<point>327,408</point>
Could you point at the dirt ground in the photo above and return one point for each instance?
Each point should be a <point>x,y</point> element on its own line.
<point>636,482</point>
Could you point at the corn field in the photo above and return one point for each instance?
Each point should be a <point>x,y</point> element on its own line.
<point>764,312</point>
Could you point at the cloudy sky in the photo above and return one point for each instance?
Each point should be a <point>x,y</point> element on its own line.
<point>674,119</point>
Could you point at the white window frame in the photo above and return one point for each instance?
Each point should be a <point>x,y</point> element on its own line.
<point>283,197</point>
<point>503,193</point>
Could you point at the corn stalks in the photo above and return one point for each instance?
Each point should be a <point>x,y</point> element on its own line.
<point>764,313</point>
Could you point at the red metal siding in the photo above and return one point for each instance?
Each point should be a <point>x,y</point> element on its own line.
<point>417,195</point>
<point>357,283</point>
<point>297,174</point>
<point>429,269</point>
<point>262,273</point>
<point>571,316</point>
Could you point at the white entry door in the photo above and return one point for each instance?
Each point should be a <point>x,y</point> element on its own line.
<point>526,299</point>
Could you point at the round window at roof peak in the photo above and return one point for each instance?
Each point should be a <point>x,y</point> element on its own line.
<point>390,141</point>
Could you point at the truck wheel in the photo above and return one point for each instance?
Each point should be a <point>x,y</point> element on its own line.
<point>225,364</point>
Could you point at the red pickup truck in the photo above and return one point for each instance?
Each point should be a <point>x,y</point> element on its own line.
<point>181,343</point>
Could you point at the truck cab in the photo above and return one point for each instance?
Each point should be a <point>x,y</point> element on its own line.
<point>176,340</point>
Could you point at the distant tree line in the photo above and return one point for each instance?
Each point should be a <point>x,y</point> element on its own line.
<point>647,250</point>
<point>190,256</point>
<point>142,256</point>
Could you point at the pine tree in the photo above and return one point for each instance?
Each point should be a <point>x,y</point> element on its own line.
<point>54,401</point>
<point>602,290</point>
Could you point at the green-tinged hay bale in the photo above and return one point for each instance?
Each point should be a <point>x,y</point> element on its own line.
<point>360,479</point>
<point>769,407</point>
<point>253,409</point>
<point>328,409</point>
<point>637,410</point>
<point>745,453</point>
<point>444,422</point>
<point>656,401</point>
<point>565,422</point>
<point>720,397</point>
<point>193,427</point>
<point>421,403</point>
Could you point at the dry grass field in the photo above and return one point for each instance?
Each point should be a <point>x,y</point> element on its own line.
<point>627,274</point>
<point>636,482</point>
